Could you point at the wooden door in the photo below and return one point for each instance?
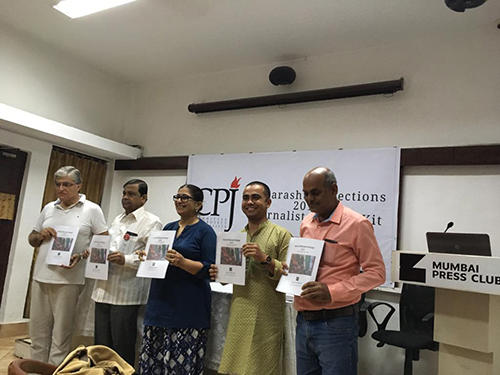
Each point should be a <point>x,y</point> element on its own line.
<point>12,163</point>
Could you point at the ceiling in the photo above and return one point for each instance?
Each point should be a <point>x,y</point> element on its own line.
<point>150,39</point>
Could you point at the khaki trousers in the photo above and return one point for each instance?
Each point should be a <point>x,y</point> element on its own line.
<point>52,320</point>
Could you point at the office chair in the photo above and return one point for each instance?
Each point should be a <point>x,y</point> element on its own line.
<point>362,321</point>
<point>416,320</point>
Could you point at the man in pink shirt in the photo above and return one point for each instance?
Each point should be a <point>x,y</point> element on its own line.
<point>327,327</point>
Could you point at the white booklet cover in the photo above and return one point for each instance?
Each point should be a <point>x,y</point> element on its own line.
<point>155,265</point>
<point>97,262</point>
<point>303,257</point>
<point>61,247</point>
<point>229,258</point>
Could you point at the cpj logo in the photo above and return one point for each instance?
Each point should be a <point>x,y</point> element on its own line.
<point>219,205</point>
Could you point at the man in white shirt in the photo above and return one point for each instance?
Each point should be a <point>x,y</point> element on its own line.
<point>118,299</point>
<point>55,289</point>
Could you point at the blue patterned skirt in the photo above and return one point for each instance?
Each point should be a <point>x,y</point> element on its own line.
<point>172,351</point>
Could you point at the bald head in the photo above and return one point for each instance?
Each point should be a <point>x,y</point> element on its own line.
<point>320,191</point>
<point>327,173</point>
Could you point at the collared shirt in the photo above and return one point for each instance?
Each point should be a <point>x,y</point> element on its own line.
<point>122,286</point>
<point>350,244</point>
<point>89,219</point>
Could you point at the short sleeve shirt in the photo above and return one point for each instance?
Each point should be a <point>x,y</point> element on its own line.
<point>85,215</point>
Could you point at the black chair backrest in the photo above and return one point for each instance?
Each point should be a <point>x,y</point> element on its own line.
<point>415,303</point>
<point>362,320</point>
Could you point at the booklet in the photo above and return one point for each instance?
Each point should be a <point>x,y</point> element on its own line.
<point>97,262</point>
<point>303,257</point>
<point>155,265</point>
<point>231,263</point>
<point>60,248</point>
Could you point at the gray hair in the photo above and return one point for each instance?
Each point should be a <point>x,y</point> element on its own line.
<point>330,178</point>
<point>69,171</point>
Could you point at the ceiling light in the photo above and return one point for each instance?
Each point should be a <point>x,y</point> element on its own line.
<point>80,8</point>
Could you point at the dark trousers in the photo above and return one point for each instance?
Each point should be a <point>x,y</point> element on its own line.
<point>327,347</point>
<point>116,327</point>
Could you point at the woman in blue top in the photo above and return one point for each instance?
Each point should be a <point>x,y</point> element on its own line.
<point>178,310</point>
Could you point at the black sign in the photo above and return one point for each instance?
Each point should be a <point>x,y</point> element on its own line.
<point>407,272</point>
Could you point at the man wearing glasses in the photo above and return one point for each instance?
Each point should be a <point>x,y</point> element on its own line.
<point>255,331</point>
<point>55,289</point>
<point>118,299</point>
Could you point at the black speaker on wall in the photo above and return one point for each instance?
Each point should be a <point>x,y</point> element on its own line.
<point>462,5</point>
<point>282,75</point>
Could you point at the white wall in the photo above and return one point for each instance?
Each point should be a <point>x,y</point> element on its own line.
<point>47,82</point>
<point>432,196</point>
<point>450,98</point>
<point>30,201</point>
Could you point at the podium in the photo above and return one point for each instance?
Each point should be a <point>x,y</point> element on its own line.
<point>467,307</point>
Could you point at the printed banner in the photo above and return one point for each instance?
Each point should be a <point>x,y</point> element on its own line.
<point>368,182</point>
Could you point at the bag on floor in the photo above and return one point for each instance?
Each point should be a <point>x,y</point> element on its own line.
<point>94,360</point>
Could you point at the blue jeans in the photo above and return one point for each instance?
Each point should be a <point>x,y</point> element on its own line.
<point>327,347</point>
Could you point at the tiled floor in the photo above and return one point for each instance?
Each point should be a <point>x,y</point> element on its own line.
<point>6,352</point>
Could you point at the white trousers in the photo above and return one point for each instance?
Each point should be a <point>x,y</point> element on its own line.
<point>52,320</point>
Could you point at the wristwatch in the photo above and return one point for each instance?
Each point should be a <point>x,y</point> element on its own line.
<point>267,261</point>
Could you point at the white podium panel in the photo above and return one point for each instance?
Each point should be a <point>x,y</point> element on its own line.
<point>467,307</point>
<point>476,274</point>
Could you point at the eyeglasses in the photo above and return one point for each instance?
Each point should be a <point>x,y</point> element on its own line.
<point>64,184</point>
<point>182,197</point>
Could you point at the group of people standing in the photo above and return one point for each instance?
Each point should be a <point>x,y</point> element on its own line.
<point>177,315</point>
